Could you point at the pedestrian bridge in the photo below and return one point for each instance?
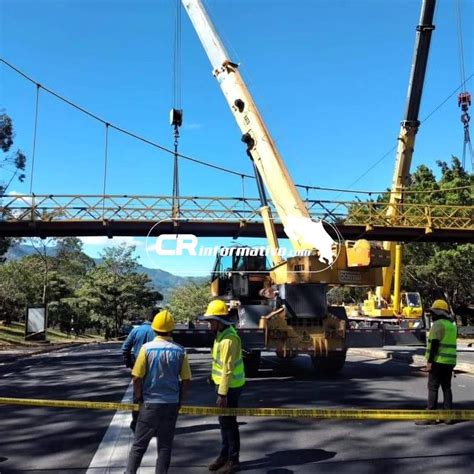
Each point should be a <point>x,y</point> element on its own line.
<point>121,215</point>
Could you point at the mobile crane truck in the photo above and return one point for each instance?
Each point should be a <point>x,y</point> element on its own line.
<point>284,307</point>
<point>405,306</point>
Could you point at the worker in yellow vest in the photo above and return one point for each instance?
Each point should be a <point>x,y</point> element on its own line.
<point>441,357</point>
<point>229,378</point>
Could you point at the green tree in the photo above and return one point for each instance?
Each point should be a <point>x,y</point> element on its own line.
<point>440,270</point>
<point>114,291</point>
<point>10,163</point>
<point>189,301</point>
<point>435,270</point>
<point>446,274</point>
<point>19,286</point>
<point>71,265</point>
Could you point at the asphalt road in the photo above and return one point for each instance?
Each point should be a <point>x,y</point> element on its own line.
<point>47,440</point>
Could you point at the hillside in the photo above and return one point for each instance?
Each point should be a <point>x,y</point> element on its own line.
<point>161,280</point>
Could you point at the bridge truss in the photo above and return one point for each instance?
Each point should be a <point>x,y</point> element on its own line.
<point>119,215</point>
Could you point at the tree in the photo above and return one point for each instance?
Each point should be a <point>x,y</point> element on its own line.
<point>21,284</point>
<point>114,291</point>
<point>13,163</point>
<point>435,270</point>
<point>443,270</point>
<point>189,301</point>
<point>446,274</point>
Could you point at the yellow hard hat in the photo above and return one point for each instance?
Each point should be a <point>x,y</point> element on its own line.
<point>440,304</point>
<point>163,322</point>
<point>217,311</point>
<point>217,308</point>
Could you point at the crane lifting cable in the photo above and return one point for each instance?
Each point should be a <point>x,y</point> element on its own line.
<point>176,113</point>
<point>464,97</point>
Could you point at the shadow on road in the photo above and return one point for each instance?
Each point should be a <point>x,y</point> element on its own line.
<point>295,457</point>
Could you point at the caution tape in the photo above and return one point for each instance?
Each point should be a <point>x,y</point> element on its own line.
<point>314,413</point>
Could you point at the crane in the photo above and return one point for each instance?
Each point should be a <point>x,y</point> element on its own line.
<point>288,301</point>
<point>406,304</point>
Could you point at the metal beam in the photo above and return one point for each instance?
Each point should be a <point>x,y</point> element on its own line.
<point>219,229</point>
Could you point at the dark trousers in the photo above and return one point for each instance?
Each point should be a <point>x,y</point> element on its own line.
<point>230,428</point>
<point>154,419</point>
<point>440,374</point>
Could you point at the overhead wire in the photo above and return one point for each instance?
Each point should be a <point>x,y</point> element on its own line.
<point>425,119</point>
<point>206,163</point>
<point>120,129</point>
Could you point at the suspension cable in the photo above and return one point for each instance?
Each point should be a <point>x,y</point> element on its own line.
<point>35,130</point>
<point>123,130</point>
<point>106,157</point>
<point>217,167</point>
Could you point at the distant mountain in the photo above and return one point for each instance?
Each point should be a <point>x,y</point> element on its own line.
<point>166,282</point>
<point>161,280</point>
<point>16,252</point>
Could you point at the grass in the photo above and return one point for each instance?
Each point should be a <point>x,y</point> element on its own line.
<point>14,334</point>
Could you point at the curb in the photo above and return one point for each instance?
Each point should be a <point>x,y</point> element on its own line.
<point>412,359</point>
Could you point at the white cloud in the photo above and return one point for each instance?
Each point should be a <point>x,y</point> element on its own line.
<point>22,200</point>
<point>102,241</point>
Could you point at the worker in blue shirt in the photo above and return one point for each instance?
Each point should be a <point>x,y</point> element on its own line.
<point>161,377</point>
<point>137,337</point>
<point>131,348</point>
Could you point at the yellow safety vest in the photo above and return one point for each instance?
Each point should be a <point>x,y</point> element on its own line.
<point>447,346</point>
<point>238,375</point>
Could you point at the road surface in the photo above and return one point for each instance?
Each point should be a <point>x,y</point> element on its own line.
<point>48,440</point>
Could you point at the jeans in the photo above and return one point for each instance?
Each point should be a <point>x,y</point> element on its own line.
<point>230,428</point>
<point>440,374</point>
<point>154,419</point>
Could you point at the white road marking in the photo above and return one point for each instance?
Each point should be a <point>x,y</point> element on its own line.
<point>112,454</point>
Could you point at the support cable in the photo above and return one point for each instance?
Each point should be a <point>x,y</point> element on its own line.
<point>106,157</point>
<point>217,167</point>
<point>243,193</point>
<point>35,131</point>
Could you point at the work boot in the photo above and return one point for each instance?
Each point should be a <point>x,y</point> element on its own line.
<point>218,463</point>
<point>230,467</point>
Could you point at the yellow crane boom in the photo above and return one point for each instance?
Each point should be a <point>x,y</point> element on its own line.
<point>406,144</point>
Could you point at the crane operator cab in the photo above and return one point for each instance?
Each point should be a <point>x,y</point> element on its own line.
<point>239,274</point>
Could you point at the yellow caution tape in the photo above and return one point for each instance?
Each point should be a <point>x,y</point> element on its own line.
<point>321,414</point>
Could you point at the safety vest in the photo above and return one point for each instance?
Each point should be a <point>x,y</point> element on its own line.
<point>447,347</point>
<point>238,375</point>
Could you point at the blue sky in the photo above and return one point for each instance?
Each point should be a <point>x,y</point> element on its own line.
<point>330,78</point>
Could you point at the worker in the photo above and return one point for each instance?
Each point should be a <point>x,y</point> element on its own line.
<point>441,357</point>
<point>161,377</point>
<point>138,336</point>
<point>229,378</point>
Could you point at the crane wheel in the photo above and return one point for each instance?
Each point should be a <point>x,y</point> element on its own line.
<point>332,364</point>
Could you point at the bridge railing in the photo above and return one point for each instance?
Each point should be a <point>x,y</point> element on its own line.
<point>60,208</point>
